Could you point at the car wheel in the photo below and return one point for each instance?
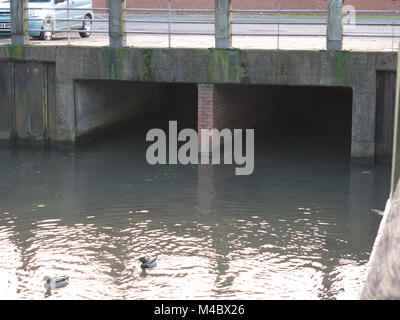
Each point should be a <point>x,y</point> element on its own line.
<point>46,34</point>
<point>87,26</point>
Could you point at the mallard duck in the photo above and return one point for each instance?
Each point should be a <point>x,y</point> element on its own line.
<point>148,263</point>
<point>56,282</point>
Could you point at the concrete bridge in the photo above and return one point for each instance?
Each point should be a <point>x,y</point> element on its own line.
<point>63,95</point>
<point>57,95</point>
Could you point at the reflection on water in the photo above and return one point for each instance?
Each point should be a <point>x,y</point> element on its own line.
<point>300,227</point>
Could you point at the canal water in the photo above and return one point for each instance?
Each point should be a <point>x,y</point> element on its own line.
<point>300,227</point>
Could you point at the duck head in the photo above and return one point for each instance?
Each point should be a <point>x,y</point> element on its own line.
<point>46,279</point>
<point>142,260</point>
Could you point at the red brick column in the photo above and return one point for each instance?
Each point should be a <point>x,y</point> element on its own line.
<point>231,106</point>
<point>205,112</point>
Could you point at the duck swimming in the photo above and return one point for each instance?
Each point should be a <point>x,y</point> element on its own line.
<point>56,282</point>
<point>148,263</point>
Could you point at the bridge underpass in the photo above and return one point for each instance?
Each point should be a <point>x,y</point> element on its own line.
<point>47,88</point>
<point>281,114</point>
<point>105,106</point>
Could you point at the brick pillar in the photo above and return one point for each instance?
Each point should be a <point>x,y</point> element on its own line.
<point>205,112</point>
<point>230,107</point>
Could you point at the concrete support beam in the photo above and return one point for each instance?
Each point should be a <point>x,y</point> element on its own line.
<point>223,24</point>
<point>396,135</point>
<point>19,22</point>
<point>116,20</point>
<point>334,28</point>
<point>363,121</point>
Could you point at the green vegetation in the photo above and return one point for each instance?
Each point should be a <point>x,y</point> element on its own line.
<point>341,60</point>
<point>16,52</point>
<point>113,60</point>
<point>227,65</point>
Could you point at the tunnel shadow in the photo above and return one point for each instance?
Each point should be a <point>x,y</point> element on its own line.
<point>307,119</point>
<point>108,110</point>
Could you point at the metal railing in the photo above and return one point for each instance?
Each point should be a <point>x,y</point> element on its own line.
<point>277,14</point>
<point>383,14</point>
<point>71,27</point>
<point>170,22</point>
<point>277,23</point>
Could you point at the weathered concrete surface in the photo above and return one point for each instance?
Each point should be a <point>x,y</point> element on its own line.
<point>356,70</point>
<point>383,280</point>
<point>100,104</point>
<point>19,25</point>
<point>385,105</point>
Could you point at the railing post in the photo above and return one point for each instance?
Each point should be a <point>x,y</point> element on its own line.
<point>19,22</point>
<point>223,24</point>
<point>334,28</point>
<point>116,20</point>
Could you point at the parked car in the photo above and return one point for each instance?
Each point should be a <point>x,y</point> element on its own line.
<point>47,15</point>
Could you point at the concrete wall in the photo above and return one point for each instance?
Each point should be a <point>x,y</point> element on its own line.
<point>383,277</point>
<point>102,104</point>
<point>356,70</point>
<point>384,118</point>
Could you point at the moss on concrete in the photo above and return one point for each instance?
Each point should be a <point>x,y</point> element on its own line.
<point>225,65</point>
<point>148,57</point>
<point>341,59</point>
<point>145,65</point>
<point>16,52</point>
<point>113,59</point>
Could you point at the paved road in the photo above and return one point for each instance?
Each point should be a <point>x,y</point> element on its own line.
<point>243,25</point>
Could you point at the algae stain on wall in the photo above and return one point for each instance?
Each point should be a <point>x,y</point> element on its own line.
<point>227,66</point>
<point>145,65</point>
<point>341,60</point>
<point>16,52</point>
<point>113,59</point>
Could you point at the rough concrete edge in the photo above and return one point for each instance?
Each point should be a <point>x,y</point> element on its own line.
<point>383,274</point>
<point>375,247</point>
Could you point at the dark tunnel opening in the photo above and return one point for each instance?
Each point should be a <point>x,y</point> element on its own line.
<point>310,117</point>
<point>108,109</point>
<point>283,116</point>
